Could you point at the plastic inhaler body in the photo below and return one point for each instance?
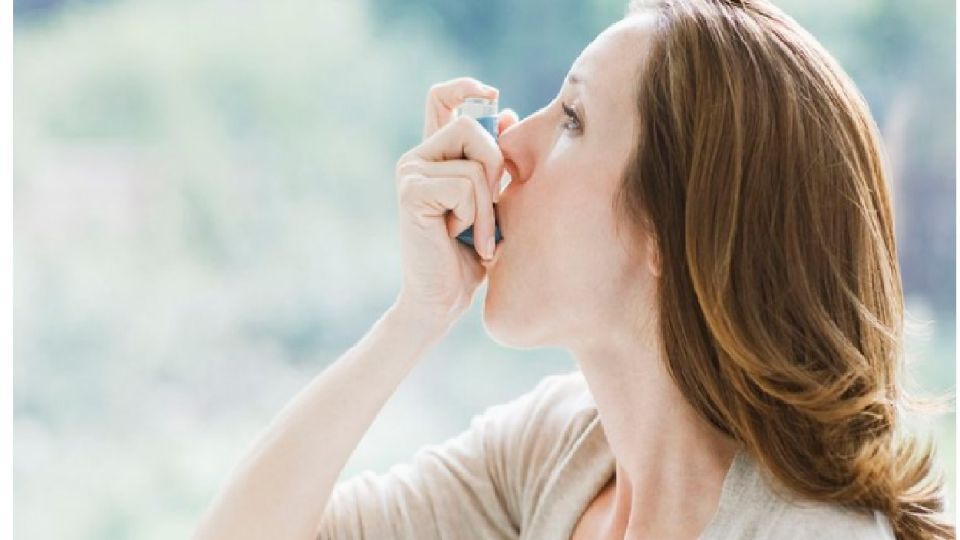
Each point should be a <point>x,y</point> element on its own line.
<point>485,111</point>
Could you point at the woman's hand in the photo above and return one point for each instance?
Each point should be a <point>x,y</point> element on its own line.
<point>445,185</point>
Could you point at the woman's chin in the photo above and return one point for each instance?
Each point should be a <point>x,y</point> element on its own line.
<point>501,320</point>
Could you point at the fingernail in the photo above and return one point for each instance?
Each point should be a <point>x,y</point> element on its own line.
<point>491,245</point>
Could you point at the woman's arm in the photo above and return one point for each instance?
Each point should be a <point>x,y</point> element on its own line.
<point>281,486</point>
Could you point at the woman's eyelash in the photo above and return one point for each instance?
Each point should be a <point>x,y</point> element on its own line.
<point>571,115</point>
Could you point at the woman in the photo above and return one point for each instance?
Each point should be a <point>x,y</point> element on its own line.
<point>701,217</point>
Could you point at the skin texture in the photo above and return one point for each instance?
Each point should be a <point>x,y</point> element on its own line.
<point>565,277</point>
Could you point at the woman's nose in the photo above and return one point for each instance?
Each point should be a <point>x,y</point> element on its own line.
<point>514,150</point>
<point>505,139</point>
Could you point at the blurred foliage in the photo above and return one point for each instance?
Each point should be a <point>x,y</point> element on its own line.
<point>205,217</point>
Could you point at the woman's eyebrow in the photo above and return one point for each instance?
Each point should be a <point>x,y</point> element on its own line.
<point>574,78</point>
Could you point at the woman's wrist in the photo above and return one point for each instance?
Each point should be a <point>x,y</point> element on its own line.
<point>416,321</point>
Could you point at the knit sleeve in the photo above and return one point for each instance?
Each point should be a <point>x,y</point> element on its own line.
<point>470,486</point>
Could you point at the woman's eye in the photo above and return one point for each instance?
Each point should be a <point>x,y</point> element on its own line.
<point>573,121</point>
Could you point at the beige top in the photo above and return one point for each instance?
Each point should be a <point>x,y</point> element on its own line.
<point>528,468</point>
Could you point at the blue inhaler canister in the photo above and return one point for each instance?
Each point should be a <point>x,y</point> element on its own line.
<point>485,111</point>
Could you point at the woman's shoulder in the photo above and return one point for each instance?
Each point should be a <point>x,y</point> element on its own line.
<point>562,403</point>
<point>756,505</point>
<point>568,390</point>
<point>558,405</point>
<point>552,452</point>
<point>829,521</point>
<point>535,431</point>
<point>558,394</point>
<point>489,479</point>
<point>789,515</point>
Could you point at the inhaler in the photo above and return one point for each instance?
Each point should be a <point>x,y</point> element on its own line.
<point>485,112</point>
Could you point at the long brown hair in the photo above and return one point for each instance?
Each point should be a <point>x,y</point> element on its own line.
<point>759,174</point>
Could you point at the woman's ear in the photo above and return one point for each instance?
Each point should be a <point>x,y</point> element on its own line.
<point>652,256</point>
<point>505,119</point>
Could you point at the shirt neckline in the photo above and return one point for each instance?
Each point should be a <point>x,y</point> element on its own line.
<point>740,478</point>
<point>593,459</point>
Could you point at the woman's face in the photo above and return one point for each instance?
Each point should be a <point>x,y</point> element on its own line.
<point>564,276</point>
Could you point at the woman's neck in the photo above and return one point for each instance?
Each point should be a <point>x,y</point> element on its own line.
<point>670,462</point>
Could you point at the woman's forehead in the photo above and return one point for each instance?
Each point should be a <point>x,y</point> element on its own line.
<point>607,65</point>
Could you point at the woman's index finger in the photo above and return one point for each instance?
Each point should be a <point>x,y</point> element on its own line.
<point>467,140</point>
<point>443,98</point>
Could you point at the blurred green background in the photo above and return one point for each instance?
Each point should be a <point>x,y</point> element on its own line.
<point>205,218</point>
